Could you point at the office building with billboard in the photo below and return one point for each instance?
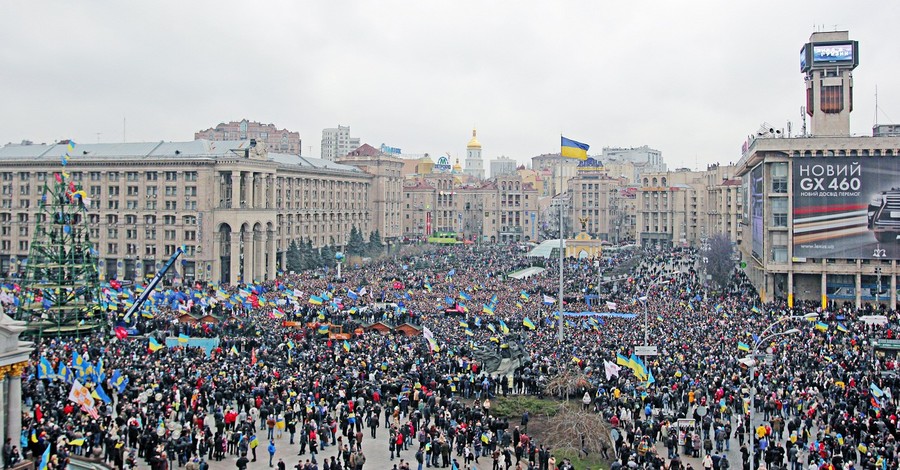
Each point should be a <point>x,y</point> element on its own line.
<point>821,219</point>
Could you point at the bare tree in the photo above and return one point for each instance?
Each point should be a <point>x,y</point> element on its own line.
<point>719,259</point>
<point>582,432</point>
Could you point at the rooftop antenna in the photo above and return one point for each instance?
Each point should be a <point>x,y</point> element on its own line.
<point>803,118</point>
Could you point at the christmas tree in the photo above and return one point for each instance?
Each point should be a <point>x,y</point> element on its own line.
<point>61,283</point>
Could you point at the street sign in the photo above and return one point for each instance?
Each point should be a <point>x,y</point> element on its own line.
<point>645,351</point>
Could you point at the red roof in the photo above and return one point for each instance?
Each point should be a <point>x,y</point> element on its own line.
<point>365,150</point>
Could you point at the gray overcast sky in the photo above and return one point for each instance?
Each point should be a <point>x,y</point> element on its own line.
<point>690,78</point>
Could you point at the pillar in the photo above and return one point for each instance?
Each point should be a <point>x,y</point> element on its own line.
<point>14,420</point>
<point>235,257</point>
<point>824,289</point>
<point>4,370</point>
<point>259,255</point>
<point>894,287</point>
<point>235,189</point>
<point>790,287</point>
<point>247,262</point>
<point>858,290</point>
<point>270,268</point>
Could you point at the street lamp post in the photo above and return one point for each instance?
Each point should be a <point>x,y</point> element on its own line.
<point>762,340</point>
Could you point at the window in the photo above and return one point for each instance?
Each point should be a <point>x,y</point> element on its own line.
<point>152,176</point>
<point>190,176</point>
<point>112,248</point>
<point>190,190</point>
<point>169,234</point>
<point>130,249</point>
<point>190,205</point>
<point>95,191</point>
<point>131,234</point>
<point>131,176</point>
<point>190,250</point>
<point>779,254</point>
<point>171,190</point>
<point>152,191</point>
<point>169,250</point>
<point>23,246</point>
<point>132,191</point>
<point>113,175</point>
<point>112,205</point>
<point>23,230</point>
<point>5,244</point>
<point>112,233</point>
<point>779,212</point>
<point>190,235</point>
<point>171,176</point>
<point>24,190</point>
<point>169,220</point>
<point>151,205</point>
<point>150,250</point>
<point>24,203</point>
<point>113,191</point>
<point>132,205</point>
<point>779,178</point>
<point>95,176</point>
<point>77,176</point>
<point>23,176</point>
<point>189,220</point>
<point>5,230</point>
<point>150,234</point>
<point>171,205</point>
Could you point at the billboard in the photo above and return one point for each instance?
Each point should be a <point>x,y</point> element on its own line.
<point>832,52</point>
<point>846,208</point>
<point>756,211</point>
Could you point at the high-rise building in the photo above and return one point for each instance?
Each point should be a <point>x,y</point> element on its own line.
<point>821,217</point>
<point>336,142</point>
<point>385,198</point>
<point>277,140</point>
<point>503,166</point>
<point>474,163</point>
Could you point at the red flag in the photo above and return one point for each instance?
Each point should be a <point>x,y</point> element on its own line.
<point>253,357</point>
<point>121,332</point>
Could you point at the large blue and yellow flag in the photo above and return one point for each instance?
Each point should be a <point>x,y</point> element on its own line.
<point>574,149</point>
<point>45,369</point>
<point>503,328</point>
<point>100,394</point>
<point>153,345</point>
<point>64,373</point>
<point>323,329</point>
<point>528,323</point>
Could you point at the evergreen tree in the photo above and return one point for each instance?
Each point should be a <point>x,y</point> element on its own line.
<point>356,245</point>
<point>61,280</point>
<point>294,257</point>
<point>308,254</point>
<point>375,245</point>
<point>327,256</point>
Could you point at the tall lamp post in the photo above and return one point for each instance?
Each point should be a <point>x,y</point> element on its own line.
<point>762,340</point>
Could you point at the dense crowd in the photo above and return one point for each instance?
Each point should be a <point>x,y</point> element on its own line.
<point>824,401</point>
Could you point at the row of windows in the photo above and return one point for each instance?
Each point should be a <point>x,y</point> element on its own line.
<point>110,175</point>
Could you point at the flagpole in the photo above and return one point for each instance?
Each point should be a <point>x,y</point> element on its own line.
<point>561,248</point>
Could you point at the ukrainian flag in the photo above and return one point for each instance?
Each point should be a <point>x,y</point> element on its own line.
<point>463,324</point>
<point>842,328</point>
<point>315,300</point>
<point>346,346</point>
<point>528,323</point>
<point>488,309</point>
<point>503,328</point>
<point>524,295</point>
<point>234,350</point>
<point>574,149</point>
<point>154,346</point>
<point>469,332</point>
<point>45,369</point>
<point>183,338</point>
<point>743,347</point>
<point>323,329</point>
<point>491,327</point>
<point>821,326</point>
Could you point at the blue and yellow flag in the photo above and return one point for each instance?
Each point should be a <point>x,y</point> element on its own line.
<point>524,295</point>
<point>622,360</point>
<point>743,347</point>
<point>154,346</point>
<point>463,324</point>
<point>573,149</point>
<point>843,329</point>
<point>528,323</point>
<point>101,395</point>
<point>64,373</point>
<point>821,326</point>
<point>315,300</point>
<point>183,338</point>
<point>323,329</point>
<point>45,369</point>
<point>503,328</point>
<point>346,346</point>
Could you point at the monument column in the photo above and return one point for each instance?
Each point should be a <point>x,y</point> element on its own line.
<point>4,370</point>
<point>14,420</point>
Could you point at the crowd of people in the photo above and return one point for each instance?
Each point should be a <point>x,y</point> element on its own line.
<point>276,380</point>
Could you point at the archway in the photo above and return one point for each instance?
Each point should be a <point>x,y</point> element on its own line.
<point>224,238</point>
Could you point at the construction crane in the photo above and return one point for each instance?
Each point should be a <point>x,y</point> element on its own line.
<point>152,285</point>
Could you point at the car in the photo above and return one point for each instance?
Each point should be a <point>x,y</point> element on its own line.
<point>884,215</point>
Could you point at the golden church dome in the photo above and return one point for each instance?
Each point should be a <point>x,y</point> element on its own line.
<point>473,144</point>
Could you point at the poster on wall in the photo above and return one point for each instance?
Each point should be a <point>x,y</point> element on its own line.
<point>846,207</point>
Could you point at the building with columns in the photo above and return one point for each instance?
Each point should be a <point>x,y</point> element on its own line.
<point>14,359</point>
<point>233,205</point>
<point>384,191</point>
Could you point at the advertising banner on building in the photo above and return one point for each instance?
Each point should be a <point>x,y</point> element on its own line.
<point>756,211</point>
<point>846,207</point>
